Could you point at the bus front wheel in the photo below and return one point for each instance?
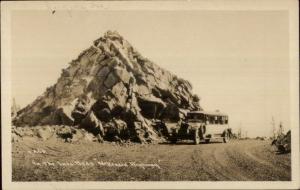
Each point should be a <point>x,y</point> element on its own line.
<point>196,137</point>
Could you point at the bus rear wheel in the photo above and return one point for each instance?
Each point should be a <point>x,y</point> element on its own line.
<point>226,137</point>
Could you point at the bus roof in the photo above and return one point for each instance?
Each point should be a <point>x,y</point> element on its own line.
<point>209,113</point>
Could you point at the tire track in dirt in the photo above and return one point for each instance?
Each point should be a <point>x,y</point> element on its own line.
<point>250,152</point>
<point>232,172</point>
<point>202,168</point>
<point>216,165</point>
<point>269,155</point>
<point>208,161</point>
<point>257,169</point>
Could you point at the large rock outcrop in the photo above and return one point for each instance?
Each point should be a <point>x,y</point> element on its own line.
<point>111,87</point>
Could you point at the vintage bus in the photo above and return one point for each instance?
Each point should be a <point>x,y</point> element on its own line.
<point>203,125</point>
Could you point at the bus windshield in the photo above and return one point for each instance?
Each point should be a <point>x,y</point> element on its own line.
<point>195,116</point>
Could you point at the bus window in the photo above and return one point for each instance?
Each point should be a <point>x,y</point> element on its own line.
<point>206,120</point>
<point>216,120</point>
<point>221,120</point>
<point>211,120</point>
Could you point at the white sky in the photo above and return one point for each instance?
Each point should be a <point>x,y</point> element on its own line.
<point>237,61</point>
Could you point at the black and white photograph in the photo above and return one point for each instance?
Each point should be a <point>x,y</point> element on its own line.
<point>150,94</point>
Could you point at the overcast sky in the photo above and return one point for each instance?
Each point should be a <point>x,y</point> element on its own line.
<point>237,61</point>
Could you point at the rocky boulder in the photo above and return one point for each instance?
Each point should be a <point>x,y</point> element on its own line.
<point>112,91</point>
<point>45,133</point>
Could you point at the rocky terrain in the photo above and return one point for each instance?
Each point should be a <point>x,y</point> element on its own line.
<point>283,142</point>
<point>112,92</point>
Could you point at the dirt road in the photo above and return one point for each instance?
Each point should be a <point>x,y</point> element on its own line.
<point>244,160</point>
